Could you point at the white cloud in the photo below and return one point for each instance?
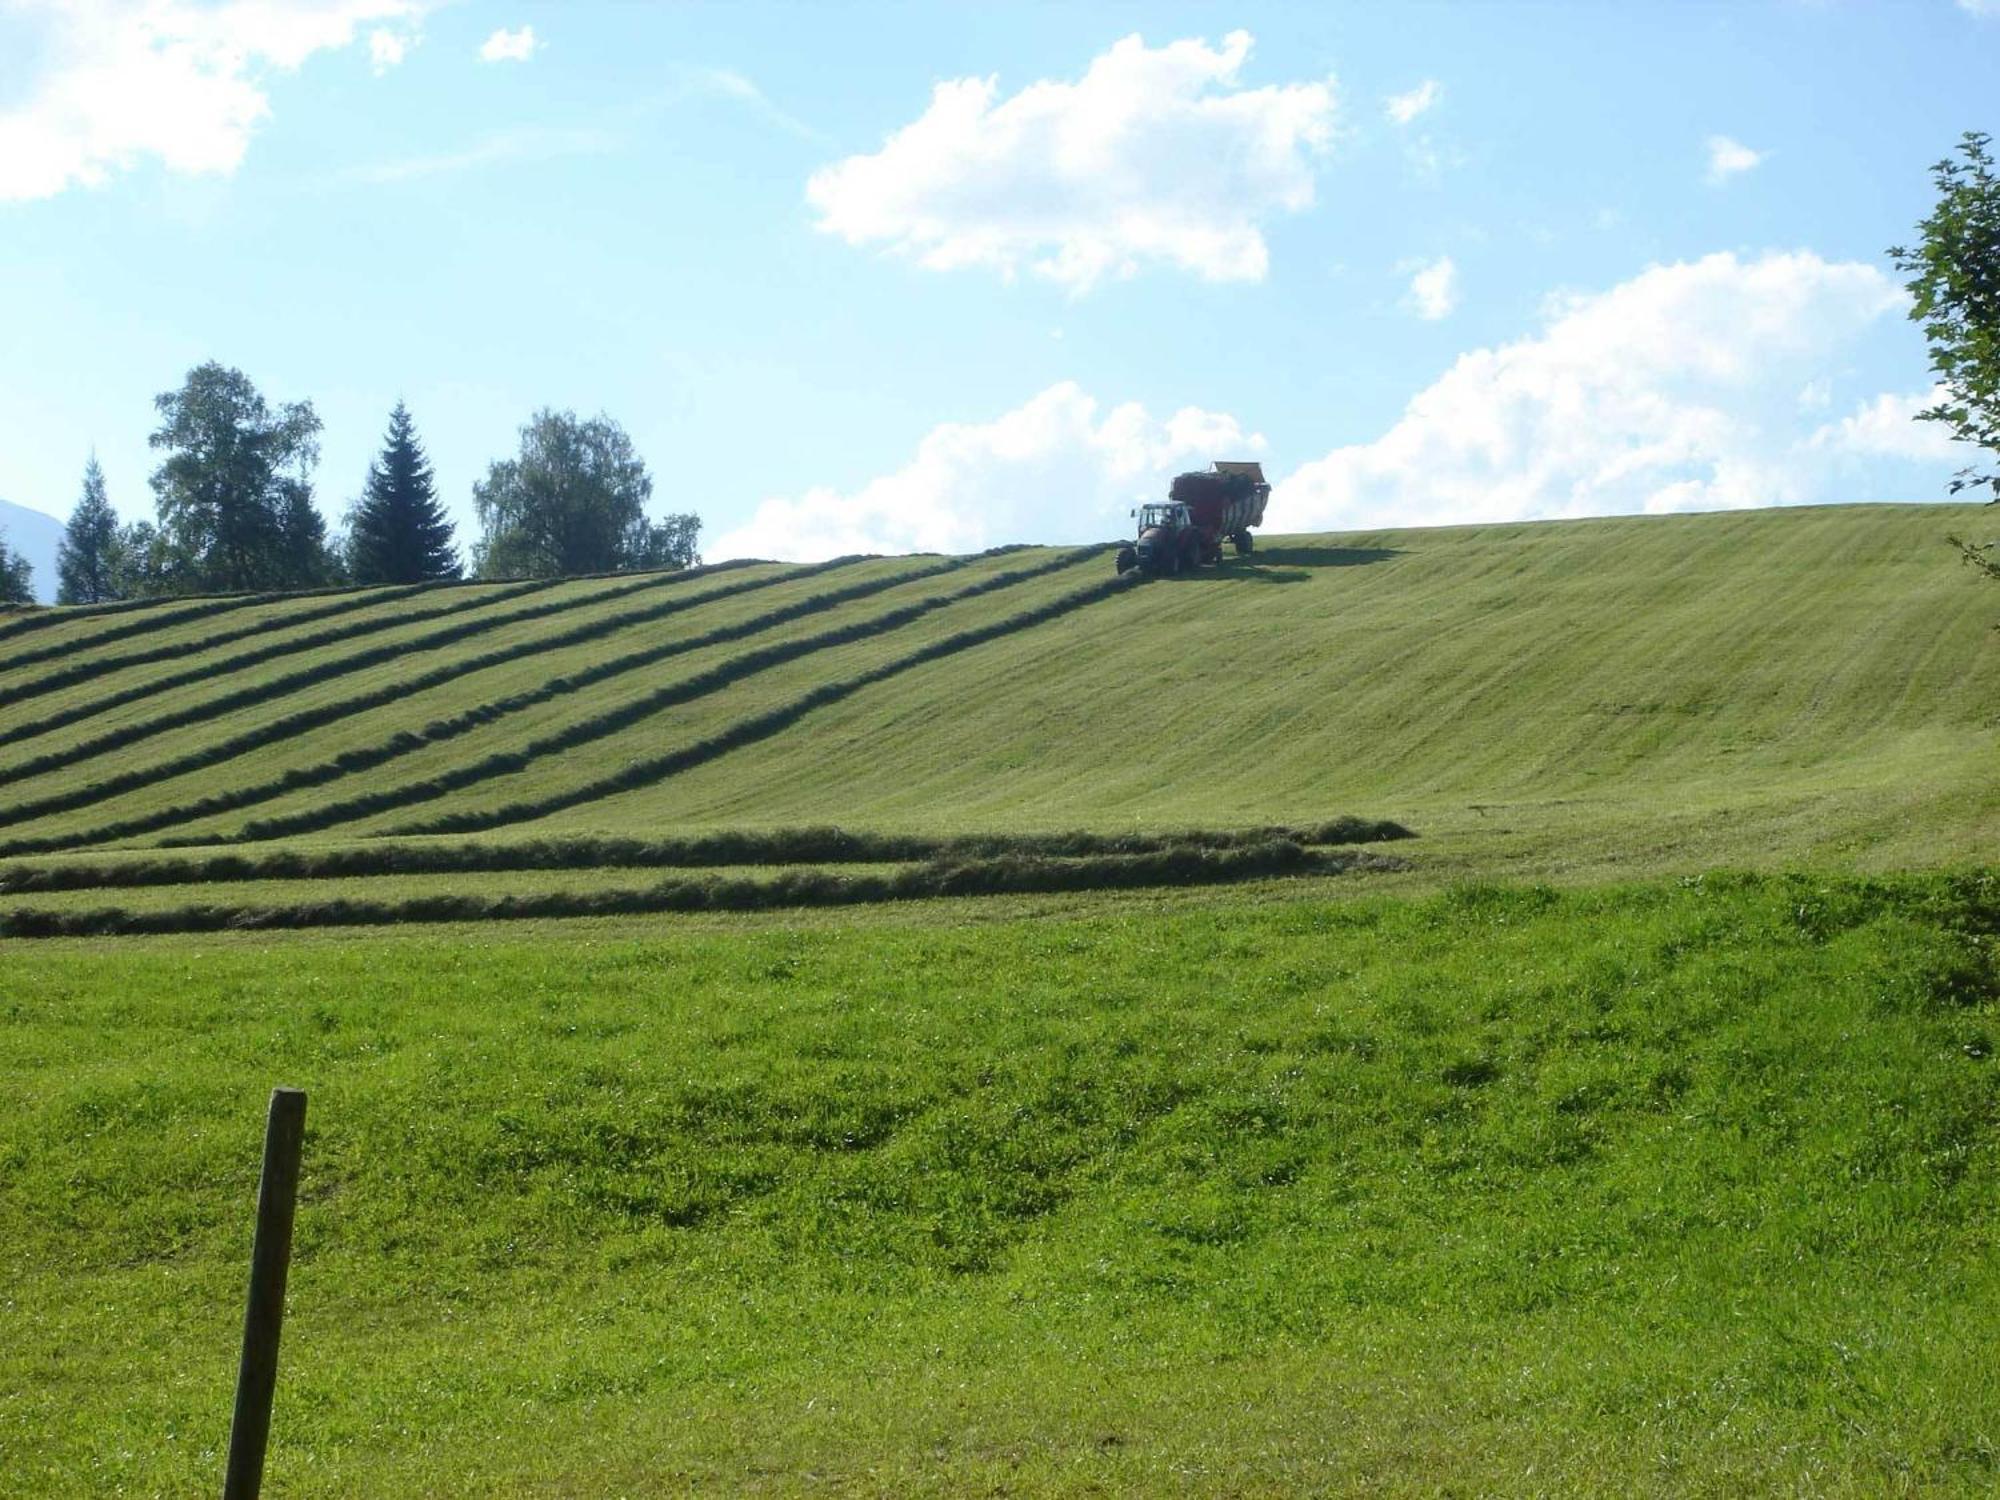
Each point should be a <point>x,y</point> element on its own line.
<point>1728,158</point>
<point>387,49</point>
<point>1433,289</point>
<point>1980,7</point>
<point>1157,155</point>
<point>1676,390</point>
<point>509,46</point>
<point>1888,427</point>
<point>122,80</point>
<point>1053,469</point>
<point>1403,108</point>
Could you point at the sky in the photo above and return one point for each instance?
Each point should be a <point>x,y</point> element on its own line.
<point>941,277</point>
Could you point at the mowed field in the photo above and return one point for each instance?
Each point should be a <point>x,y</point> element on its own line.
<point>1487,1010</point>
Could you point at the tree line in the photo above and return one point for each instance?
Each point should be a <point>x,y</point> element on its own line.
<point>234,512</point>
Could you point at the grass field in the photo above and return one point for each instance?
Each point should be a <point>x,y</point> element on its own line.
<point>1687,1188</point>
<point>979,1025</point>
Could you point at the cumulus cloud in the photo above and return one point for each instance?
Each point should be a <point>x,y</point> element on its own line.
<point>1403,108</point>
<point>1155,156</point>
<point>183,83</point>
<point>509,46</point>
<point>1676,390</point>
<point>1887,427</point>
<point>1728,158</point>
<point>1057,468</point>
<point>1433,289</point>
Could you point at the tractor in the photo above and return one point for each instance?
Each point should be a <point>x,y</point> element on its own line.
<point>1202,510</point>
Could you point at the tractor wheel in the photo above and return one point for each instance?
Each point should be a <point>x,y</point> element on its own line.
<point>1244,543</point>
<point>1128,559</point>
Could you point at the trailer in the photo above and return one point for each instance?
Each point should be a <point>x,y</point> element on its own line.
<point>1203,509</point>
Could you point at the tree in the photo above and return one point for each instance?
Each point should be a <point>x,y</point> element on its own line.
<point>17,576</point>
<point>1954,287</point>
<point>235,491</point>
<point>87,557</point>
<point>397,532</point>
<point>574,501</point>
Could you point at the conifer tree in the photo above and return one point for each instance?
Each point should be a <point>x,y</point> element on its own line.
<point>87,558</point>
<point>17,581</point>
<point>397,531</point>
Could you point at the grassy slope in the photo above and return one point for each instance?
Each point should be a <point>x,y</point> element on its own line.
<point>1593,697</point>
<point>1686,1189</point>
<point>1793,684</point>
<point>1343,1184</point>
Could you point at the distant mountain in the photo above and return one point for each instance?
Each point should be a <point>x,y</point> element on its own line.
<point>34,536</point>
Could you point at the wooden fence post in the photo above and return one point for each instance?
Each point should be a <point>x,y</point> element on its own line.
<point>270,1259</point>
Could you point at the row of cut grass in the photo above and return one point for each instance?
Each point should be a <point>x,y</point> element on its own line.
<point>75,795</point>
<point>257,693</point>
<point>574,733</point>
<point>802,887</point>
<point>105,696</point>
<point>367,757</point>
<point>784,846</point>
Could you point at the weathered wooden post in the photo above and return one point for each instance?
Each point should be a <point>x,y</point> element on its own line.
<point>270,1259</point>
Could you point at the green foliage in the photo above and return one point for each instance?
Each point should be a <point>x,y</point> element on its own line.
<point>90,557</point>
<point>398,532</point>
<point>574,501</point>
<point>234,492</point>
<point>17,576</point>
<point>1676,1189</point>
<point>1954,285</point>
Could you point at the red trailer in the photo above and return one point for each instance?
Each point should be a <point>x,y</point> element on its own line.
<point>1202,510</point>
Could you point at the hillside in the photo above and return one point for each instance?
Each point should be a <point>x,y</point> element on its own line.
<point>1589,698</point>
<point>1504,1159</point>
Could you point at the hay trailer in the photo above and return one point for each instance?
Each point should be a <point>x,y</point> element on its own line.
<point>1202,510</point>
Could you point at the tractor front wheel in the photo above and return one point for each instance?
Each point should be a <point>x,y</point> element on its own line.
<point>1244,543</point>
<point>1128,559</point>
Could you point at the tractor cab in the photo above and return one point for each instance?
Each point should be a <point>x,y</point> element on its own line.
<point>1167,540</point>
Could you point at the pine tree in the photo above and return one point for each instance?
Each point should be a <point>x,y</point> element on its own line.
<point>17,582</point>
<point>87,558</point>
<point>397,531</point>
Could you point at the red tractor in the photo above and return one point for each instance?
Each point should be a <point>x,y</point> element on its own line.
<point>1202,510</point>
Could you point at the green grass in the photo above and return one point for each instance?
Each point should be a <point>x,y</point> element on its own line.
<point>1575,700</point>
<point>1685,1188</point>
<point>1621,1176</point>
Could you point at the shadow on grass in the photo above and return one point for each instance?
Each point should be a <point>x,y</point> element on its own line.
<point>1290,564</point>
<point>1321,557</point>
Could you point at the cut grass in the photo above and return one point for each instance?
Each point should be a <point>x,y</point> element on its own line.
<point>1677,1189</point>
<point>1002,875</point>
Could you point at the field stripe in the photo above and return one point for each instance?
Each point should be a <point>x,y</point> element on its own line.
<point>84,671</point>
<point>405,742</point>
<point>762,726</point>
<point>997,877</point>
<point>798,846</point>
<point>306,720</point>
<point>611,721</point>
<point>278,687</point>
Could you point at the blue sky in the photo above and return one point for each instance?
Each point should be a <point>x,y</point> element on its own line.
<point>1430,263</point>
